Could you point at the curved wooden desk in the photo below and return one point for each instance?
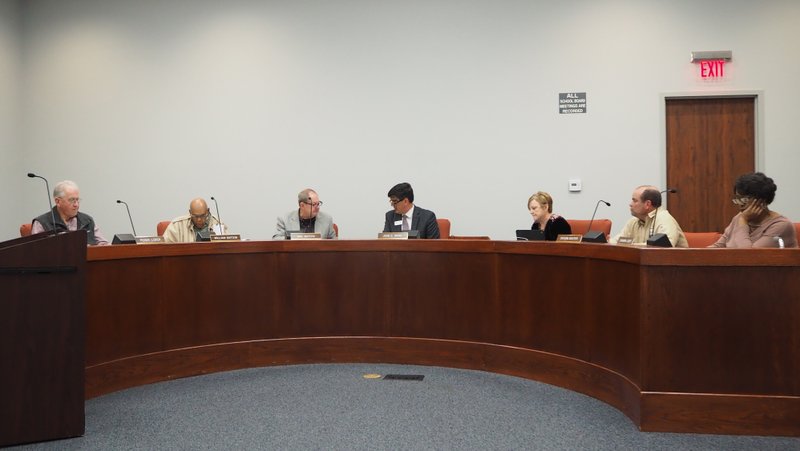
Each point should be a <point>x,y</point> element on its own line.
<point>684,340</point>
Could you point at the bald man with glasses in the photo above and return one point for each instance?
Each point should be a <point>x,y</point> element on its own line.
<point>184,229</point>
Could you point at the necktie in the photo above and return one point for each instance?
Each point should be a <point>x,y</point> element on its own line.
<point>405,223</point>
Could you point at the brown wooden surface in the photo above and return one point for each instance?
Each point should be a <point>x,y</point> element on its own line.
<point>630,326</point>
<point>42,337</point>
<point>710,142</point>
<point>733,334</point>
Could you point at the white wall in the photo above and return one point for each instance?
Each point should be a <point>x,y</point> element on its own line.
<point>11,178</point>
<point>251,101</point>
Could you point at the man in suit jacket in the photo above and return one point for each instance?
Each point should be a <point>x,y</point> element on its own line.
<point>406,216</point>
<point>307,218</point>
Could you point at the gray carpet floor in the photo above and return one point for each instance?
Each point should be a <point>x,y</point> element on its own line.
<point>335,407</point>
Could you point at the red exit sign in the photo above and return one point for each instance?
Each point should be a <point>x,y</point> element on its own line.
<point>712,68</point>
<point>712,63</point>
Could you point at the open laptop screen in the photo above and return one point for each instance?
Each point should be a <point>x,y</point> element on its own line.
<point>530,235</point>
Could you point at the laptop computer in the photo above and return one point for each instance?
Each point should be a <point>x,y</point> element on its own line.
<point>530,235</point>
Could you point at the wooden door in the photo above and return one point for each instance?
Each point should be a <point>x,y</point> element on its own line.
<point>710,142</point>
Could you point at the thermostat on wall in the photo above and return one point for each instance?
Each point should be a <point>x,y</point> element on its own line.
<point>574,185</point>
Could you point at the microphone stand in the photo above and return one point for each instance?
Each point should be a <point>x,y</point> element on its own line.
<point>130,218</point>
<point>219,216</point>
<point>653,225</point>
<point>589,229</point>
<point>310,204</point>
<point>49,200</point>
<point>595,237</point>
<point>655,215</point>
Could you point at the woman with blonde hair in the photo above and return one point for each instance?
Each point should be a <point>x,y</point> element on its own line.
<point>540,206</point>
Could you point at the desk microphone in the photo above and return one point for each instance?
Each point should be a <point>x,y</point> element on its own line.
<point>47,187</point>
<point>307,227</point>
<point>219,217</point>
<point>129,215</point>
<point>653,227</point>
<point>659,239</point>
<point>595,237</point>
<point>310,212</point>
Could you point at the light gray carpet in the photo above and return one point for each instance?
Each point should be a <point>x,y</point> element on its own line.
<point>334,407</point>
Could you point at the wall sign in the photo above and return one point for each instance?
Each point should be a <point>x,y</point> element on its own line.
<point>712,64</point>
<point>571,102</point>
<point>712,69</point>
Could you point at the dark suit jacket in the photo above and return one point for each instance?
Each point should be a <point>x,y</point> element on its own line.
<point>423,221</point>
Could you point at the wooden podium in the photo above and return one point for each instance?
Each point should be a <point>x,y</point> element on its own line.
<point>42,337</point>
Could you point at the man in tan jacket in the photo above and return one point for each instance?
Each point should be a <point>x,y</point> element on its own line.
<point>184,229</point>
<point>649,218</point>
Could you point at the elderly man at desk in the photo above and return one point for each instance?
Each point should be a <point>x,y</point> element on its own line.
<point>306,218</point>
<point>66,215</point>
<point>184,229</point>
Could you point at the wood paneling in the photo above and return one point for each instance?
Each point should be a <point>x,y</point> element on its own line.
<point>710,142</point>
<point>624,324</point>
<point>42,337</point>
<point>723,331</point>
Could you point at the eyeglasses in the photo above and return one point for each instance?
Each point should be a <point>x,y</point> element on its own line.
<point>200,216</point>
<point>71,200</point>
<point>394,202</point>
<point>314,204</point>
<point>741,201</point>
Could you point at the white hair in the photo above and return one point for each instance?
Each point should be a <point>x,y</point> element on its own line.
<point>61,187</point>
<point>305,195</point>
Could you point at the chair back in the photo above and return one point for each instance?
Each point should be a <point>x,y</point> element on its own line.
<point>701,239</point>
<point>581,226</point>
<point>797,230</point>
<point>444,228</point>
<point>25,229</point>
<point>336,229</point>
<point>161,227</point>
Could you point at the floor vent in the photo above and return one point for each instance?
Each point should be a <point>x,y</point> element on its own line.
<point>404,377</point>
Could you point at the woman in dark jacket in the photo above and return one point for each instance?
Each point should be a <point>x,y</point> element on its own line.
<point>540,206</point>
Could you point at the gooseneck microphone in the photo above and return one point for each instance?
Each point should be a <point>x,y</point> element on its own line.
<point>129,216</point>
<point>608,204</point>
<point>307,227</point>
<point>49,200</point>
<point>219,217</point>
<point>653,227</point>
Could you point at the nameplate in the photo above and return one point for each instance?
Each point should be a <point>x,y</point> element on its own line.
<point>230,237</point>
<point>625,240</point>
<point>149,239</point>
<point>569,238</point>
<point>305,236</point>
<point>393,236</point>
